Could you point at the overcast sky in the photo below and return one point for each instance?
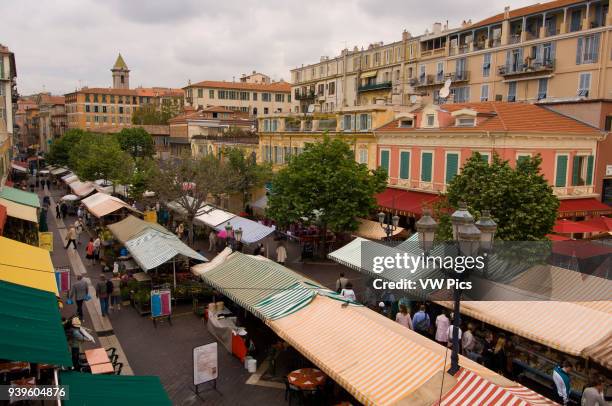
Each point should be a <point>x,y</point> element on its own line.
<point>60,45</point>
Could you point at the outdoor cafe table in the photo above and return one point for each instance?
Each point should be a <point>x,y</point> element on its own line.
<point>98,361</point>
<point>306,378</point>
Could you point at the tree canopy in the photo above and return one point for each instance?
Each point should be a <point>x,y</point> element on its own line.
<point>153,114</point>
<point>97,156</point>
<point>520,199</point>
<point>247,173</point>
<point>59,153</point>
<point>136,141</point>
<point>325,186</point>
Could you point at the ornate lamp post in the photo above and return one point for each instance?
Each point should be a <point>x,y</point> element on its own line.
<point>234,237</point>
<point>469,238</point>
<point>388,223</point>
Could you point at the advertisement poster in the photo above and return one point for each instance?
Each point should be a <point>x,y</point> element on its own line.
<point>160,303</point>
<point>62,277</point>
<point>45,241</point>
<point>205,363</point>
<point>150,216</point>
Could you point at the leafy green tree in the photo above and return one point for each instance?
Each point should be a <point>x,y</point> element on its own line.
<point>59,153</point>
<point>136,142</point>
<point>520,199</point>
<point>325,186</point>
<point>247,173</point>
<point>98,156</point>
<point>154,114</point>
<point>140,181</point>
<point>190,183</point>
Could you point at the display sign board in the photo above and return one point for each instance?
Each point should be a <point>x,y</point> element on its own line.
<point>608,170</point>
<point>45,240</point>
<point>160,303</point>
<point>150,216</point>
<point>62,278</point>
<point>205,363</point>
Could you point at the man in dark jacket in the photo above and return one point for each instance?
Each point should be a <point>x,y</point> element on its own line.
<point>78,293</point>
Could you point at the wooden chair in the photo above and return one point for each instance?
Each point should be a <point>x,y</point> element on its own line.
<point>118,367</point>
<point>292,391</point>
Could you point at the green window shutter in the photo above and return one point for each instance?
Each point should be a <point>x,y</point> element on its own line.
<point>484,157</point>
<point>404,164</point>
<point>561,171</point>
<point>384,160</point>
<point>589,175</point>
<point>576,171</point>
<point>452,166</point>
<point>522,158</point>
<point>426,161</point>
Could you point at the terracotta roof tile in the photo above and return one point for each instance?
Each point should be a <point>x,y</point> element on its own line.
<point>140,91</point>
<point>262,87</point>
<point>519,12</point>
<point>503,116</point>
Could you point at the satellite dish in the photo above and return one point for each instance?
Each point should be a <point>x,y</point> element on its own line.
<point>311,108</point>
<point>413,98</point>
<point>445,91</point>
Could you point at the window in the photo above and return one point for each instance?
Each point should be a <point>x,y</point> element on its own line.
<point>542,88</point>
<point>279,97</point>
<point>222,94</point>
<point>584,85</point>
<point>484,156</point>
<point>608,125</point>
<point>486,65</point>
<point>426,166</point>
<point>265,110</point>
<point>244,95</point>
<point>365,122</point>
<point>87,98</point>
<point>274,125</point>
<point>406,123</point>
<point>522,157</point>
<point>266,125</point>
<point>331,89</point>
<point>266,97</point>
<point>95,99</point>
<point>200,93</point>
<point>582,170</point>
<point>465,122</point>
<point>440,72</point>
<point>87,108</point>
<point>461,94</point>
<point>430,120</point>
<point>103,98</point>
<point>576,20</point>
<point>211,94</point>
<point>404,170</point>
<point>95,109</point>
<point>561,171</point>
<point>422,73</point>
<point>112,98</point>
<point>347,122</point>
<point>452,166</point>
<point>384,159</point>
<point>460,72</point>
<point>511,91</point>
<point>587,50</point>
<point>363,156</point>
<point>103,109</point>
<point>120,109</point>
<point>484,93</point>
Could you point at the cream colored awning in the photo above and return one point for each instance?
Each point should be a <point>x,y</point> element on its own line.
<point>20,211</point>
<point>369,74</point>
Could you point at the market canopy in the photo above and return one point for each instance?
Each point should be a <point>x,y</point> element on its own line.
<point>69,178</point>
<point>26,265</point>
<point>212,217</point>
<point>3,215</point>
<point>582,207</point>
<point>600,222</point>
<point>373,231</point>
<point>101,204</point>
<point>31,326</point>
<point>405,202</point>
<point>252,231</point>
<point>20,196</point>
<point>20,211</point>
<point>18,167</point>
<point>82,189</point>
<point>131,226</point>
<point>152,248</point>
<point>261,203</point>
<point>103,390</point>
<point>58,171</point>
<point>564,226</point>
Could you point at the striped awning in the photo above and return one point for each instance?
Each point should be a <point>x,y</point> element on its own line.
<point>601,352</point>
<point>252,231</point>
<point>71,177</point>
<point>473,389</point>
<point>374,358</point>
<point>213,217</point>
<point>82,189</point>
<point>152,248</point>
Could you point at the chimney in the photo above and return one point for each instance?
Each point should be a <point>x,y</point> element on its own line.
<point>406,35</point>
<point>506,12</point>
<point>437,28</point>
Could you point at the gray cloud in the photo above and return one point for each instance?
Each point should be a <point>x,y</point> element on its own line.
<point>63,44</point>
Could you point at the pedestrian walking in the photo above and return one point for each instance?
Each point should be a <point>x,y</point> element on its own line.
<point>78,293</point>
<point>487,351</point>
<point>37,183</point>
<point>442,323</point>
<point>180,229</point>
<point>116,292</point>
<point>594,394</point>
<point>450,331</point>
<point>102,295</point>
<point>348,292</point>
<point>89,251</point>
<point>341,282</point>
<point>421,321</point>
<point>403,317</point>
<point>75,338</point>
<point>71,237</point>
<point>212,241</point>
<point>468,342</point>
<point>58,213</point>
<point>64,209</point>
<point>78,227</point>
<point>48,182</point>
<point>281,254</point>
<point>97,244</point>
<point>80,212</point>
<point>561,378</point>
<point>260,250</point>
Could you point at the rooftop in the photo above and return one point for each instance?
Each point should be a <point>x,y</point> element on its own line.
<point>120,63</point>
<point>262,87</point>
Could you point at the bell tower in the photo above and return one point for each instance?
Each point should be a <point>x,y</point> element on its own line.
<point>121,74</point>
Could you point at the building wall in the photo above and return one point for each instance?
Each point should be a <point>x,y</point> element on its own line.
<point>200,97</point>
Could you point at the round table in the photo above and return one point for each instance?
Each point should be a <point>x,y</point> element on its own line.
<point>306,378</point>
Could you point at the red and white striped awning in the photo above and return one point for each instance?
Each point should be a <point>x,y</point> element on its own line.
<point>473,389</point>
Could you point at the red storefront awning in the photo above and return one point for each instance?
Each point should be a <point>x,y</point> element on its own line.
<point>405,202</point>
<point>555,237</point>
<point>582,207</point>
<point>2,218</point>
<point>601,222</point>
<point>564,226</point>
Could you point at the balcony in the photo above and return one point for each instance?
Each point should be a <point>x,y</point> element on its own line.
<point>522,69</point>
<point>430,80</point>
<point>460,76</point>
<point>305,96</point>
<point>375,86</point>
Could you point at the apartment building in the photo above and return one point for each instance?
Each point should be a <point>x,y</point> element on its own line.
<point>8,98</point>
<point>52,120</point>
<point>91,108</point>
<point>256,96</point>
<point>424,150</point>
<point>255,77</point>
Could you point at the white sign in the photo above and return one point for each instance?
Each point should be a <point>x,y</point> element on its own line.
<point>205,366</point>
<point>608,170</point>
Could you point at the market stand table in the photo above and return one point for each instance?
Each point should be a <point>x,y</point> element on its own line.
<point>98,361</point>
<point>306,378</point>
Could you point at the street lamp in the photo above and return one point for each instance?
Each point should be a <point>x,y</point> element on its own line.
<point>469,238</point>
<point>235,235</point>
<point>388,223</point>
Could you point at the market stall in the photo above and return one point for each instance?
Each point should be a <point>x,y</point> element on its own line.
<point>26,265</point>
<point>102,205</point>
<point>69,178</point>
<point>82,189</point>
<point>252,231</point>
<point>23,209</point>
<point>373,231</point>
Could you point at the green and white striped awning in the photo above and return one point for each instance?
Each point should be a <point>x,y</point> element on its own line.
<point>286,302</point>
